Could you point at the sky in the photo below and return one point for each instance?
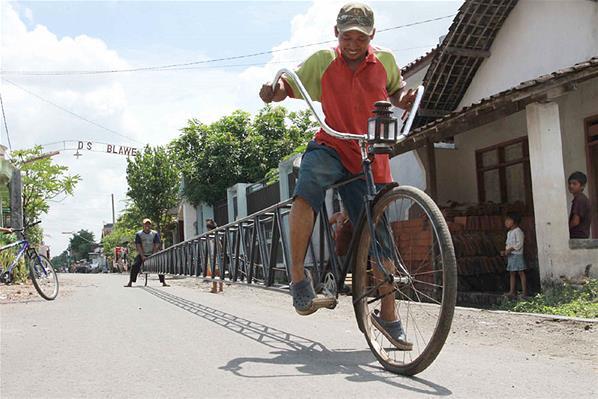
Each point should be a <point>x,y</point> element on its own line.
<point>150,107</point>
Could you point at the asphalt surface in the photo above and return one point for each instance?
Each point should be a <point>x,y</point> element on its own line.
<point>98,339</point>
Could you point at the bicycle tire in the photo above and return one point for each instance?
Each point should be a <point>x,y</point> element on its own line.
<point>449,287</point>
<point>50,279</point>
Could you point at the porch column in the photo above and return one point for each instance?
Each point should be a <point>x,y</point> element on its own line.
<point>548,186</point>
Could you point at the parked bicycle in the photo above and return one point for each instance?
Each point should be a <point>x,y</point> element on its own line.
<point>41,271</point>
<point>401,257</point>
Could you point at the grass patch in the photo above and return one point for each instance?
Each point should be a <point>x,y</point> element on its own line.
<point>565,299</point>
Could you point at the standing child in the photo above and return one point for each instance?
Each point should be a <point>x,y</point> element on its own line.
<point>514,253</point>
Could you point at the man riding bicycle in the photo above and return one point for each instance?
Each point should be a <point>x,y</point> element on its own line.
<point>347,80</point>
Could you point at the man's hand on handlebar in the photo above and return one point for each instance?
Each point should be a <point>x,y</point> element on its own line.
<point>268,94</point>
<point>407,99</point>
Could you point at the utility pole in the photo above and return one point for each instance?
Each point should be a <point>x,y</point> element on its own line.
<point>113,219</point>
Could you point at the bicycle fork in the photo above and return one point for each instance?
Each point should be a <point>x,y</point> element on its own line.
<point>389,277</point>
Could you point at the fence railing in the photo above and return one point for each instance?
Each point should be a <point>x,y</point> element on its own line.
<point>254,250</point>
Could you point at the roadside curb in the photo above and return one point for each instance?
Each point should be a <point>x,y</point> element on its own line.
<point>553,317</point>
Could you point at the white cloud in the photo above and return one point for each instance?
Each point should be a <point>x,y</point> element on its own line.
<point>149,107</point>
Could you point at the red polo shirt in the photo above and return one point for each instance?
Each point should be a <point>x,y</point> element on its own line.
<point>348,99</point>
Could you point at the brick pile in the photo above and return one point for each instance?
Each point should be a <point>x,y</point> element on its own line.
<point>478,239</point>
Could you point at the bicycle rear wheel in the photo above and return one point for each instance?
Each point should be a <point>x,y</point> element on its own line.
<point>43,276</point>
<point>416,248</point>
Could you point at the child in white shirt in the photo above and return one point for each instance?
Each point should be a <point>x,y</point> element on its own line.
<point>514,253</point>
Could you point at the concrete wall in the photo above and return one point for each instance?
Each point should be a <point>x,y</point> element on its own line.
<point>559,33</point>
<point>189,220</point>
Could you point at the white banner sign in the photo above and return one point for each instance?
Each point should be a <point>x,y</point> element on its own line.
<point>108,148</point>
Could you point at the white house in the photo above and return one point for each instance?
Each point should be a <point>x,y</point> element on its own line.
<point>485,136</point>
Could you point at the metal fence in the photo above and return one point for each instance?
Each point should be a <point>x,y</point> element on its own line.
<point>254,250</point>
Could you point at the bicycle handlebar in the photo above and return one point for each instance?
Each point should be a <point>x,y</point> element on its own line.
<point>346,136</point>
<point>26,227</point>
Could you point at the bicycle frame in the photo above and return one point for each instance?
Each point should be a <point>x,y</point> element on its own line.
<point>24,248</point>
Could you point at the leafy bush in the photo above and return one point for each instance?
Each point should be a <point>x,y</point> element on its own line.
<point>563,299</point>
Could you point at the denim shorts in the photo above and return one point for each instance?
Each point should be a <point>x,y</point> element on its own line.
<point>515,263</point>
<point>320,168</point>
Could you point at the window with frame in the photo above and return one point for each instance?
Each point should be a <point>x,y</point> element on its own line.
<point>503,173</point>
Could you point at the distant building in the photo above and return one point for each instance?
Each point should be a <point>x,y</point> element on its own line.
<point>107,229</point>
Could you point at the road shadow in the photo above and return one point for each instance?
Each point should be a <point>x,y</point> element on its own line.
<point>309,357</point>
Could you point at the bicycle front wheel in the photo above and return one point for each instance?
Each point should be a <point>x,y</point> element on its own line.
<point>43,276</point>
<point>415,251</point>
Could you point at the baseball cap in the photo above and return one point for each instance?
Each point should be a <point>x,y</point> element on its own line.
<point>355,16</point>
<point>146,220</point>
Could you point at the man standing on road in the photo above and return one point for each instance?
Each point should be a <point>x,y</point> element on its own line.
<point>147,242</point>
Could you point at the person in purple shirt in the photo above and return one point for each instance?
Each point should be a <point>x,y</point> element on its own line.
<point>580,215</point>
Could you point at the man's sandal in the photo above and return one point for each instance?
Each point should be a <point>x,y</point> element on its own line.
<point>305,299</point>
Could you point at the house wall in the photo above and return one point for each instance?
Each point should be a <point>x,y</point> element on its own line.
<point>408,169</point>
<point>204,212</point>
<point>574,108</point>
<point>457,178</point>
<point>559,33</point>
<point>456,169</point>
<point>417,78</point>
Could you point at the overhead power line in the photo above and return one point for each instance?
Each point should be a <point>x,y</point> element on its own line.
<point>287,62</point>
<point>5,125</point>
<point>71,112</point>
<point>209,61</point>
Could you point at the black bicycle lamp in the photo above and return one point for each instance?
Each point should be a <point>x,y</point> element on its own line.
<point>382,127</point>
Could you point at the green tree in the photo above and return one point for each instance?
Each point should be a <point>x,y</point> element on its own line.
<point>236,149</point>
<point>81,244</point>
<point>123,233</point>
<point>61,260</point>
<point>153,180</point>
<point>43,180</point>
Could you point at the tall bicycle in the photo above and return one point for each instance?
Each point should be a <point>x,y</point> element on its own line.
<point>41,271</point>
<point>401,256</point>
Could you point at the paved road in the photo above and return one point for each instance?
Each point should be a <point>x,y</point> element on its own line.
<point>99,339</point>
